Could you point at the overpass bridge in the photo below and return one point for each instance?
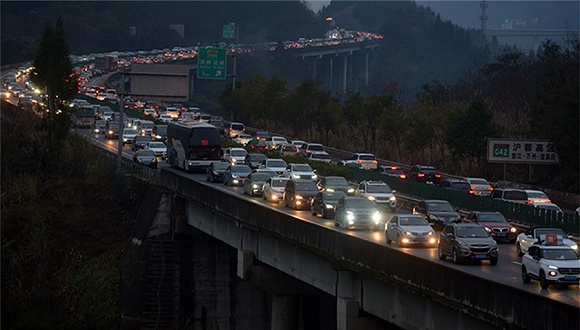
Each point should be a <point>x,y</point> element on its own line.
<point>370,285</point>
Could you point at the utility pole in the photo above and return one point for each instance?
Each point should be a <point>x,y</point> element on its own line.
<point>483,19</point>
<point>121,123</point>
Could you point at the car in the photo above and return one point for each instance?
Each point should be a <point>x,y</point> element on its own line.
<point>234,155</point>
<point>297,143</point>
<point>174,112</point>
<point>158,148</point>
<point>410,229</point>
<point>274,142</point>
<point>234,129</point>
<point>273,190</point>
<point>298,193</point>
<point>495,224</point>
<point>99,126</point>
<point>510,195</point>
<point>438,213</point>
<point>256,146</point>
<point>356,212</point>
<point>425,173</point>
<point>379,193</point>
<point>146,157</point>
<point>367,161</point>
<point>300,171</point>
<point>265,170</point>
<point>254,183</point>
<point>457,185</point>
<point>335,183</point>
<point>128,135</point>
<point>165,118</point>
<point>533,235</point>
<point>550,207</point>
<point>462,241</point>
<point>242,139</point>
<point>551,262</point>
<point>537,196</point>
<point>319,157</point>
<point>235,175</point>
<point>159,132</point>
<point>307,148</point>
<point>215,171</point>
<point>140,141</point>
<point>288,150</point>
<point>324,203</point>
<point>262,135</point>
<point>253,160</point>
<point>149,112</point>
<point>480,186</point>
<point>275,164</point>
<point>394,171</point>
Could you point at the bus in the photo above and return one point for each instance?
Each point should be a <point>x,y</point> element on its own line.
<point>192,146</point>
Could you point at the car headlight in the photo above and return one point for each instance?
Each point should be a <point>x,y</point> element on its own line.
<point>255,186</point>
<point>393,198</point>
<point>552,267</point>
<point>513,230</point>
<point>329,206</point>
<point>215,173</point>
<point>408,233</point>
<point>574,247</point>
<point>433,217</point>
<point>430,233</point>
<point>371,198</point>
<point>487,229</point>
<point>314,177</point>
<point>299,197</point>
<point>234,161</point>
<point>350,191</point>
<point>296,176</point>
<point>349,216</point>
<point>377,216</point>
<point>329,189</point>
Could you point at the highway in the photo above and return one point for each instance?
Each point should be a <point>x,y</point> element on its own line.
<point>507,271</point>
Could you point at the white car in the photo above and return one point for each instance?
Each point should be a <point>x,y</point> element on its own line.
<point>234,155</point>
<point>319,157</point>
<point>242,139</point>
<point>128,135</point>
<point>479,186</point>
<point>275,164</point>
<point>551,262</point>
<point>379,193</point>
<point>273,190</point>
<point>534,234</point>
<point>366,160</point>
<point>537,196</point>
<point>165,118</point>
<point>158,148</point>
<point>274,142</point>
<point>410,229</point>
<point>300,171</point>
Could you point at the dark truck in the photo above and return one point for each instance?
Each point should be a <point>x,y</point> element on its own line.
<point>83,117</point>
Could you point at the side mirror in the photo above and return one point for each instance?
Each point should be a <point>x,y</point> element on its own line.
<point>530,236</point>
<point>449,235</point>
<point>536,257</point>
<point>394,191</point>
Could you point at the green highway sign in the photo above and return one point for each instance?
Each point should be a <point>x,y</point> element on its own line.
<point>501,150</point>
<point>229,31</point>
<point>211,63</point>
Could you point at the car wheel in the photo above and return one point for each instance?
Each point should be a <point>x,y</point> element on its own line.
<point>525,276</point>
<point>519,249</point>
<point>323,214</point>
<point>456,257</point>
<point>312,210</point>
<point>543,281</point>
<point>494,261</point>
<point>264,197</point>
<point>389,241</point>
<point>442,255</point>
<point>399,242</point>
<point>336,224</point>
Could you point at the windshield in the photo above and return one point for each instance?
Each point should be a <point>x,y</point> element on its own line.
<point>367,157</point>
<point>241,169</point>
<point>239,153</point>
<point>302,168</point>
<point>146,153</point>
<point>220,165</point>
<point>316,148</point>
<point>306,186</point>
<point>413,221</point>
<point>471,232</point>
<point>515,195</point>
<point>142,138</point>
<point>257,157</point>
<point>260,176</point>
<point>336,181</point>
<point>333,196</point>
<point>276,163</point>
<point>560,254</point>
<point>279,182</point>
<point>358,203</point>
<point>147,125</point>
<point>130,131</point>
<point>441,207</point>
<point>237,127</point>
<point>320,156</point>
<point>555,231</point>
<point>378,188</point>
<point>533,194</point>
<point>497,217</point>
<point>479,182</point>
<point>156,145</point>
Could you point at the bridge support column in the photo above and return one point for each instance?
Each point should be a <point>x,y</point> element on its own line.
<point>331,72</point>
<point>285,312</point>
<point>344,74</point>
<point>367,68</point>
<point>346,314</point>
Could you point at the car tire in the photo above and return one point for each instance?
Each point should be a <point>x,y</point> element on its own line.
<point>312,210</point>
<point>494,261</point>
<point>323,214</point>
<point>399,242</point>
<point>336,224</point>
<point>519,249</point>
<point>389,241</point>
<point>544,283</point>
<point>525,276</point>
<point>440,253</point>
<point>456,257</point>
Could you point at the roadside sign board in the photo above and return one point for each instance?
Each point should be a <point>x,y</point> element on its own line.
<point>521,151</point>
<point>229,31</point>
<point>211,63</point>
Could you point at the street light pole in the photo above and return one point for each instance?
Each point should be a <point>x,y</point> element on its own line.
<point>121,123</point>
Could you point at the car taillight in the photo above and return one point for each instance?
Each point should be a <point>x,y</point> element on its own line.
<point>437,175</point>
<point>489,188</point>
<point>420,175</point>
<point>472,192</point>
<point>403,176</point>
<point>473,188</point>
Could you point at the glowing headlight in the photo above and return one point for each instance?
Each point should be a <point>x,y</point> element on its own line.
<point>255,186</point>
<point>377,216</point>
<point>296,176</point>
<point>430,233</point>
<point>408,233</point>
<point>350,191</point>
<point>349,216</point>
<point>314,177</point>
<point>329,189</point>
<point>329,206</point>
<point>432,241</point>
<point>488,229</point>
<point>574,247</point>
<point>110,132</point>
<point>299,197</point>
<point>392,198</point>
<point>552,267</point>
<point>371,198</point>
<point>552,273</point>
<point>513,230</point>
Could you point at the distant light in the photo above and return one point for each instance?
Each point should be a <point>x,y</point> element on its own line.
<point>329,18</point>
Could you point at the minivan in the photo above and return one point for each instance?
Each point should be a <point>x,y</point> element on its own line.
<point>510,195</point>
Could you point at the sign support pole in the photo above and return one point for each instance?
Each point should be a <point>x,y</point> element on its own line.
<point>121,122</point>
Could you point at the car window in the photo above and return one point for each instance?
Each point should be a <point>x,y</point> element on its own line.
<point>302,168</point>
<point>412,221</point>
<point>492,217</point>
<point>358,203</point>
<point>515,195</point>
<point>276,163</point>
<point>378,188</point>
<point>471,232</point>
<point>442,207</point>
<point>279,182</point>
<point>560,254</point>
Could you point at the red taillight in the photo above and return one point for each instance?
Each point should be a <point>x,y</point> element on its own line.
<point>420,175</point>
<point>473,188</point>
<point>204,142</point>
<point>359,161</point>
<point>489,188</point>
<point>437,175</point>
<point>472,192</point>
<point>393,168</point>
<point>403,176</point>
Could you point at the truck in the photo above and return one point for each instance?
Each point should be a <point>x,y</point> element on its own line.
<point>106,63</point>
<point>83,117</point>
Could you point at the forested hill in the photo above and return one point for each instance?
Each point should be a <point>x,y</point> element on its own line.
<point>418,46</point>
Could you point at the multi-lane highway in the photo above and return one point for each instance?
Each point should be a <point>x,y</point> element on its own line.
<point>507,271</point>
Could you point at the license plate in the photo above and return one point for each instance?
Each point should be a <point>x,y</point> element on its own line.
<point>570,278</point>
<point>420,239</point>
<point>479,256</point>
<point>500,234</point>
<point>429,182</point>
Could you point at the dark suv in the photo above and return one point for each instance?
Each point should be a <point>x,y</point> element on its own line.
<point>510,195</point>
<point>299,193</point>
<point>462,241</point>
<point>425,173</point>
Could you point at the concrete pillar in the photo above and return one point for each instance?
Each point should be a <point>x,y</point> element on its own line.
<point>245,261</point>
<point>331,72</point>
<point>347,317</point>
<point>285,312</point>
<point>344,74</point>
<point>367,68</point>
<point>314,70</point>
<point>162,222</point>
